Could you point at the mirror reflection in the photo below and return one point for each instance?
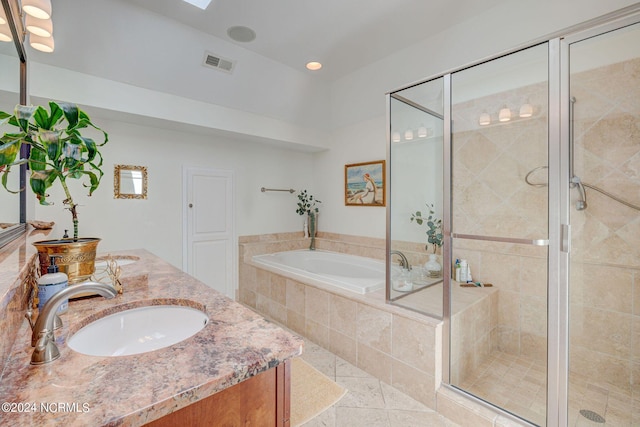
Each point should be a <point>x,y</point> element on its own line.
<point>9,97</point>
<point>130,182</point>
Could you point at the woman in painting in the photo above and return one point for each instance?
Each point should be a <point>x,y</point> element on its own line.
<point>370,188</point>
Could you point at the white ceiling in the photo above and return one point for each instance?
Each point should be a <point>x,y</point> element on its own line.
<point>342,34</point>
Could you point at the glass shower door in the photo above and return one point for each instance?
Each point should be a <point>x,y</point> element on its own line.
<point>604,213</point>
<point>499,230</point>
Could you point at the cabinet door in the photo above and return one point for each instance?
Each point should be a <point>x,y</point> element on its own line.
<point>260,401</point>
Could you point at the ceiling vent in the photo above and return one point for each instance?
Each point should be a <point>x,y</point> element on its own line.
<point>212,60</point>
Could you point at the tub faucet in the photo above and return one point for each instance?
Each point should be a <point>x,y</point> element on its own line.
<point>42,337</point>
<point>404,262</point>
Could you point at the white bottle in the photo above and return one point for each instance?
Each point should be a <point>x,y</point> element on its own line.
<point>463,271</point>
<point>50,284</point>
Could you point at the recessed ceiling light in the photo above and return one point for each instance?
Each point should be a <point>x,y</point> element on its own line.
<point>241,34</point>
<point>202,4</point>
<point>314,65</point>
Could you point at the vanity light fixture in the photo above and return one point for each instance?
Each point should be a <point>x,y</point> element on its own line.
<point>5,33</point>
<point>485,119</point>
<point>37,8</point>
<point>395,137</point>
<point>526,110</point>
<point>39,27</point>
<point>314,65</point>
<point>43,44</point>
<point>38,23</point>
<point>505,114</point>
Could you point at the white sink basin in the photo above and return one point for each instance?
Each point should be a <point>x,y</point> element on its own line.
<point>138,330</point>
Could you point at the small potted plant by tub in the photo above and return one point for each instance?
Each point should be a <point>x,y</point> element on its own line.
<point>307,205</point>
<point>58,152</point>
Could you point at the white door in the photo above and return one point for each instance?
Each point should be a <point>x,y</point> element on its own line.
<point>208,249</point>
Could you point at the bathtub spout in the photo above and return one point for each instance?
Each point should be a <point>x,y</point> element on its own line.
<point>404,262</point>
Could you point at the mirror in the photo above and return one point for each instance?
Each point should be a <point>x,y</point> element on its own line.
<point>130,182</point>
<point>12,92</point>
<point>416,209</point>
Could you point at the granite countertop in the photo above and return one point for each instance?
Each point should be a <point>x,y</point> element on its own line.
<point>132,390</point>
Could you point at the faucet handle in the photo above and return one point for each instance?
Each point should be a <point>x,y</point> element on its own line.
<point>29,315</point>
<point>45,350</point>
<point>57,324</point>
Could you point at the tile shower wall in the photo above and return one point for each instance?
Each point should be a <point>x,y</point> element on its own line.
<point>605,269</point>
<point>491,198</point>
<point>399,348</point>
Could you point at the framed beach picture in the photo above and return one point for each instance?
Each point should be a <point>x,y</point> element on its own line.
<point>364,184</point>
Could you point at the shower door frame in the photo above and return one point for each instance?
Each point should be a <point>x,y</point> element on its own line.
<point>559,233</point>
<point>564,208</point>
<point>559,227</point>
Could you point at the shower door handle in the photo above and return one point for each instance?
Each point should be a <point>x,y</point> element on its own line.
<point>565,238</point>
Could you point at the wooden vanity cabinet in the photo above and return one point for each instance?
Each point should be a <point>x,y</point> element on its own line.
<point>262,400</point>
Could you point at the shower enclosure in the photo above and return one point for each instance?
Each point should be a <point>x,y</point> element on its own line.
<point>538,152</point>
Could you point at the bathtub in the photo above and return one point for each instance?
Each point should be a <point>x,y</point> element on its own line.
<point>350,272</point>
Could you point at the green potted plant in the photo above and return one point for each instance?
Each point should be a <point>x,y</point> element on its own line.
<point>58,151</point>
<point>434,238</point>
<point>307,205</point>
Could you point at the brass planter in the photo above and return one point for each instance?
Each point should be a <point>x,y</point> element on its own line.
<point>76,258</point>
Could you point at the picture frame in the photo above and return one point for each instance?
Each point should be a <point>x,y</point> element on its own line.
<point>129,182</point>
<point>364,184</point>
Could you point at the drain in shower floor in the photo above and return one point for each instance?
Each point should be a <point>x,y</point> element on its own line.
<point>592,416</point>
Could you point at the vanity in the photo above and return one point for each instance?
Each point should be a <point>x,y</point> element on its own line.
<point>234,371</point>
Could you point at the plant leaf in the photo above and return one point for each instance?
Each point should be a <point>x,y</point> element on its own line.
<point>23,114</point>
<point>70,112</point>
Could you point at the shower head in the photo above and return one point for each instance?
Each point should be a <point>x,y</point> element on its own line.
<point>581,204</point>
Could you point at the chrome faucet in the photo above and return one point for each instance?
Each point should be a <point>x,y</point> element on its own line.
<point>42,337</point>
<point>404,262</point>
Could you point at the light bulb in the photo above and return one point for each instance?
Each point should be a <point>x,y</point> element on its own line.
<point>314,65</point>
<point>408,135</point>
<point>43,44</point>
<point>526,110</point>
<point>39,27</point>
<point>395,137</point>
<point>505,114</point>
<point>5,33</point>
<point>422,131</point>
<point>484,119</point>
<point>37,8</point>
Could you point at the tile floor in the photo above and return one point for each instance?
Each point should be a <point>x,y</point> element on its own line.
<point>518,384</point>
<point>368,402</point>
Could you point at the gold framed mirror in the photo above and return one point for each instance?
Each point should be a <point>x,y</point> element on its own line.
<point>129,182</point>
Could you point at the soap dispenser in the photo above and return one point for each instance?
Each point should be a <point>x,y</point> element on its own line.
<point>50,284</point>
